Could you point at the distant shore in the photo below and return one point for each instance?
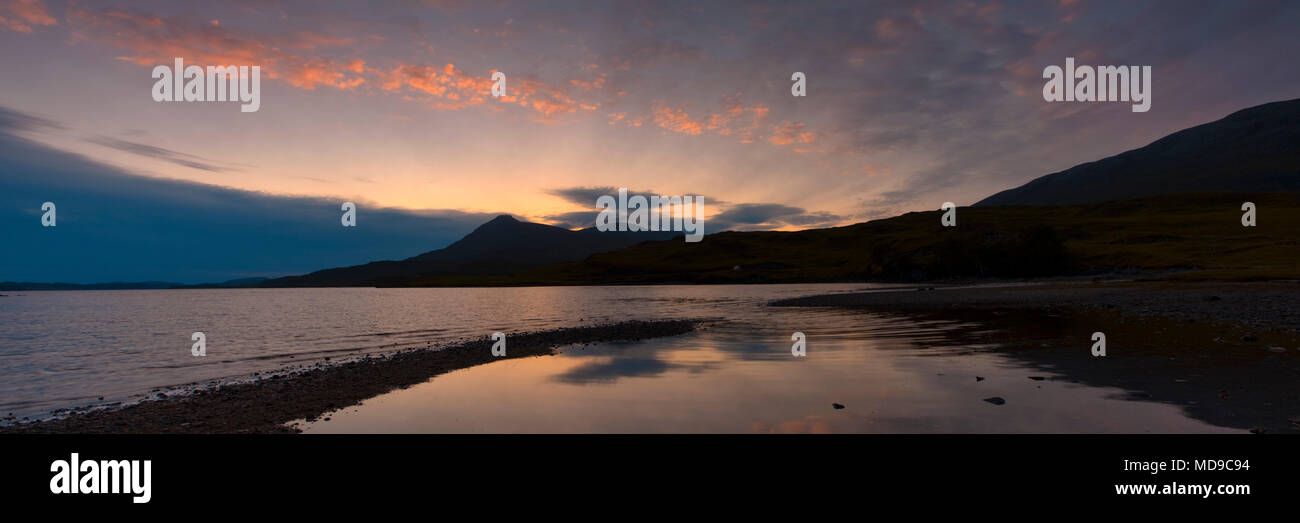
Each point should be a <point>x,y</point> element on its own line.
<point>268,405</point>
<point>1266,306</point>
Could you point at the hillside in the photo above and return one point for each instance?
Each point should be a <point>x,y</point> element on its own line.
<point>500,246</point>
<point>1194,236</point>
<point>1252,150</point>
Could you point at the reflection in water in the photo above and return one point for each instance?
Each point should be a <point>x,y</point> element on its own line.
<point>68,348</point>
<point>892,373</point>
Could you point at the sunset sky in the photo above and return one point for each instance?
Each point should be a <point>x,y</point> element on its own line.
<point>910,103</point>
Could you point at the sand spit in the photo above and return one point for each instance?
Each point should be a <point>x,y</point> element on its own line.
<point>267,405</point>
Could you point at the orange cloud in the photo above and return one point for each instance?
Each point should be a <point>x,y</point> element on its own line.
<point>734,118</point>
<point>23,15</point>
<point>676,120</point>
<point>298,59</point>
<point>549,100</point>
<point>630,121</point>
<point>294,59</point>
<point>447,87</point>
<point>747,123</point>
<point>440,82</point>
<point>737,118</point>
<point>787,133</point>
<point>590,85</point>
<point>151,40</point>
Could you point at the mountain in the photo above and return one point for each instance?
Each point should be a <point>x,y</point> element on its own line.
<point>126,285</point>
<point>500,246</point>
<point>109,286</point>
<point>1252,150</point>
<point>1181,235</point>
<point>228,284</point>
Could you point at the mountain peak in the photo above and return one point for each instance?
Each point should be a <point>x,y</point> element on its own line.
<point>498,225</point>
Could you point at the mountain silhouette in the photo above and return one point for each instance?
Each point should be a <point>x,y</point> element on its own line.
<point>1252,150</point>
<point>500,246</point>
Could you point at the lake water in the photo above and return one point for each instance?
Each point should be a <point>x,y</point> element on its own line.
<point>891,373</point>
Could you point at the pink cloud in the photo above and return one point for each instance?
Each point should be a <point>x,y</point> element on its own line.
<point>24,15</point>
<point>151,40</point>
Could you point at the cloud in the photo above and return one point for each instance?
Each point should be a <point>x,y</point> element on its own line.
<point>787,133</point>
<point>676,120</point>
<point>449,86</point>
<point>586,196</point>
<point>159,153</point>
<point>24,16</point>
<point>572,220</point>
<point>747,123</point>
<point>737,118</point>
<point>740,216</point>
<point>944,95</point>
<point>152,40</point>
<point>13,121</point>
<point>766,216</point>
<point>114,225</point>
<point>303,59</point>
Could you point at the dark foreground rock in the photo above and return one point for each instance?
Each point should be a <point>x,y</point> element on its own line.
<point>267,405</point>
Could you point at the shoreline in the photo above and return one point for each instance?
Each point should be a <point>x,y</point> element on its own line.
<point>1227,354</point>
<point>1262,306</point>
<point>1152,276</point>
<point>267,405</point>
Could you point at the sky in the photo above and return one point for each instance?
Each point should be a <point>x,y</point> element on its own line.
<point>909,104</point>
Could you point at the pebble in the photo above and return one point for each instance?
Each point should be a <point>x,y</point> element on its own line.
<point>996,400</point>
<point>837,406</point>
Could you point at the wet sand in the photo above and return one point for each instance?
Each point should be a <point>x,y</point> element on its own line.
<point>1226,353</point>
<point>1268,306</point>
<point>268,404</point>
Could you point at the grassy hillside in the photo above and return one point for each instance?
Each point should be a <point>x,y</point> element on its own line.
<point>1199,236</point>
<point>1254,149</point>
